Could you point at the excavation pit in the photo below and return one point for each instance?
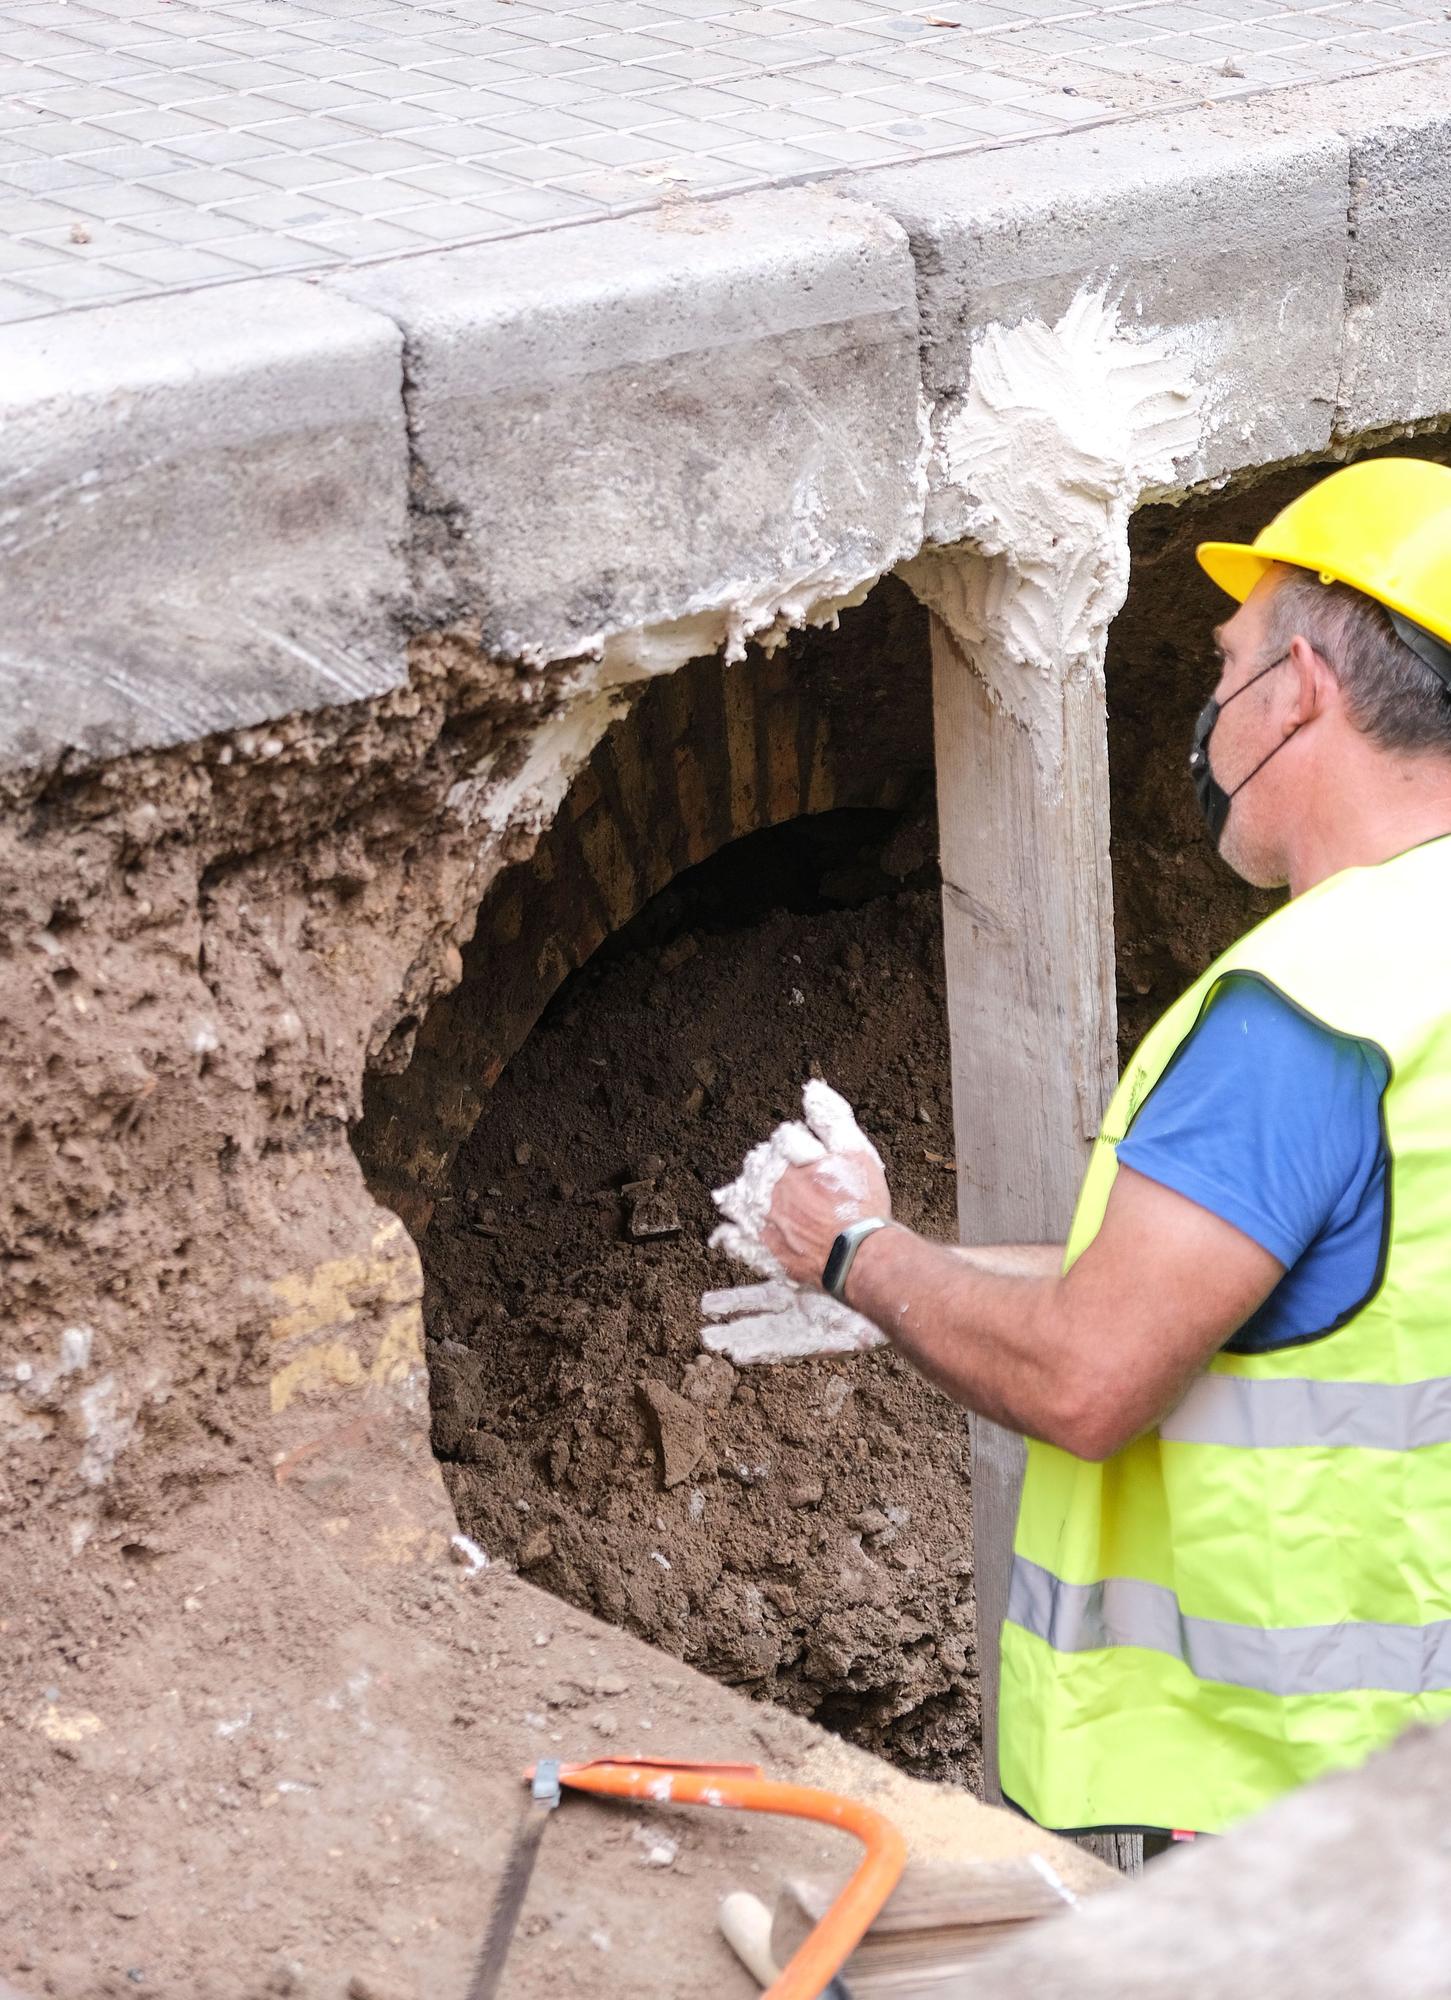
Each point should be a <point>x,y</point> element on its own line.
<point>802,1532</point>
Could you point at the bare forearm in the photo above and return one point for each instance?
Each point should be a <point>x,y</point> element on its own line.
<point>1010,1260</point>
<point>988,1326</point>
<point>1087,1359</point>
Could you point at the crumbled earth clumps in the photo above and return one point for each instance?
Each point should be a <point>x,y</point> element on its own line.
<point>803,1531</point>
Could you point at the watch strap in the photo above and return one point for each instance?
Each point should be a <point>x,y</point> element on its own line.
<point>843,1253</point>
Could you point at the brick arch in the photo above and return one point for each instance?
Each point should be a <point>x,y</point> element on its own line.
<point>703,757</point>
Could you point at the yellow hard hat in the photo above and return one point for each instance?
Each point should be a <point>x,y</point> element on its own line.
<point>1383,527</point>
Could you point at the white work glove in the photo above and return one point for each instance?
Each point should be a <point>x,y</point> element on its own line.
<point>778,1320</point>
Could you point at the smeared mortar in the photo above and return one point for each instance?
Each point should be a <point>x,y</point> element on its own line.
<point>1061,432</point>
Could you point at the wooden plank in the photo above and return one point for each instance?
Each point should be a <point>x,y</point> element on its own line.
<point>1028,924</point>
<point>941,1917</point>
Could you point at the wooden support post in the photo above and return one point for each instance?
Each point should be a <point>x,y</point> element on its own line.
<point>1028,923</point>
<point>1037,465</point>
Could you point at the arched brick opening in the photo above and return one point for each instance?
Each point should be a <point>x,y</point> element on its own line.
<point>708,754</point>
<point>817,1549</point>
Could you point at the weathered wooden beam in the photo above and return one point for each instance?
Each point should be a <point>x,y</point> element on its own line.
<point>1034,474</point>
<point>1028,929</point>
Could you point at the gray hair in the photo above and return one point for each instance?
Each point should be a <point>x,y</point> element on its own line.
<point>1392,695</point>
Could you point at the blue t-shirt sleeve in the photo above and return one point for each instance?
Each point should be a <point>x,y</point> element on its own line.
<point>1261,1118</point>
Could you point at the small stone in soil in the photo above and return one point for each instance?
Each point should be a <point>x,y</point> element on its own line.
<point>653,1216</point>
<point>679,1432</point>
<point>365,1986</point>
<point>677,954</point>
<point>709,1379</point>
<point>659,1849</point>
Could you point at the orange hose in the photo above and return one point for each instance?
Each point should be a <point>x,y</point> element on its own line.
<point>746,1788</point>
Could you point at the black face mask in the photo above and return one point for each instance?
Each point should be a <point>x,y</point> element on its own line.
<point>1214,800</point>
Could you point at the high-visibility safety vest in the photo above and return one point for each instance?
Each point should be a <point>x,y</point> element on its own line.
<point>1260,1590</point>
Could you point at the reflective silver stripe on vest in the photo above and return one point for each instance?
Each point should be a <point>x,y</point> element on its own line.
<point>1255,1414</point>
<point>1296,1659</point>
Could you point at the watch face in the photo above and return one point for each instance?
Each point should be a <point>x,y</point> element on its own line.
<point>844,1249</point>
<point>837,1263</point>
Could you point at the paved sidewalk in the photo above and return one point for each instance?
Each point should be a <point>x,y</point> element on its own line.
<point>151,146</point>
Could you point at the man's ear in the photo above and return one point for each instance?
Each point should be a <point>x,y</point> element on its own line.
<point>1316,688</point>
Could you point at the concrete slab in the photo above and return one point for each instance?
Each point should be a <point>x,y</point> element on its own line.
<point>644,439</point>
<point>203,518</point>
<point>698,421</point>
<point>1235,243</point>
<point>1397,327</point>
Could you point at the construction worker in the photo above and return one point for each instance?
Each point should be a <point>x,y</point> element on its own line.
<point>1232,1567</point>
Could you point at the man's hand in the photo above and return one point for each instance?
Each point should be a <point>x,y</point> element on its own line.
<point>812,1205</point>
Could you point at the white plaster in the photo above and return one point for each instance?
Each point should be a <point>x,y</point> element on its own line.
<point>525,793</point>
<point>76,1343</point>
<point>1062,431</point>
<point>739,613</point>
<point>830,1128</point>
<point>110,1419</point>
<point>468,1553</point>
<point>814,1324</point>
<point>107,1428</point>
<point>772,1296</point>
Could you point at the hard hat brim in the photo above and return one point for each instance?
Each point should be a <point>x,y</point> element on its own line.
<point>1234,566</point>
<point>1382,527</point>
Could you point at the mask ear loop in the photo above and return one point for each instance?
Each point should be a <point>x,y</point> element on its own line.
<point>1231,796</point>
<point>1261,764</point>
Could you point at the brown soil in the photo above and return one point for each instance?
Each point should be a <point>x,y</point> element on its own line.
<point>812,1544</point>
<point>249,1771</point>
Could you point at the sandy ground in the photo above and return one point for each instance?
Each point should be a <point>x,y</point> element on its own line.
<point>338,1737</point>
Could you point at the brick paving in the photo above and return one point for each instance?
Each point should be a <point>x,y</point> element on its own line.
<point>151,146</point>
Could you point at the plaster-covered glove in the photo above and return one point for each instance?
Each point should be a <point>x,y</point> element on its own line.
<point>778,1320</point>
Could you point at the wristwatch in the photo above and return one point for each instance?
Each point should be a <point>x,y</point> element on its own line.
<point>843,1253</point>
